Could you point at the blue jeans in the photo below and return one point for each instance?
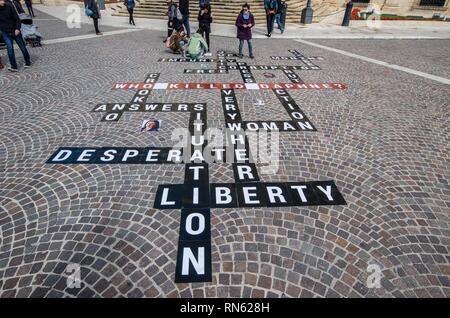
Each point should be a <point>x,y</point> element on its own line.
<point>250,47</point>
<point>279,22</point>
<point>186,24</point>
<point>8,39</point>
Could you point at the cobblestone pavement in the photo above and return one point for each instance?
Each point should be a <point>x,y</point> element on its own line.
<point>384,141</point>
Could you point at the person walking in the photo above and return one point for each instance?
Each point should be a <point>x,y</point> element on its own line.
<point>278,15</point>
<point>244,23</point>
<point>29,4</point>
<point>10,31</point>
<point>204,22</point>
<point>183,5</point>
<point>271,7</point>
<point>130,4</point>
<point>92,5</point>
<point>284,8</point>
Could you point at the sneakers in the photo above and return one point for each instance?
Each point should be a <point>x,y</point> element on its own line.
<point>99,33</point>
<point>240,56</point>
<point>14,70</point>
<point>252,56</point>
<point>268,35</point>
<point>27,65</point>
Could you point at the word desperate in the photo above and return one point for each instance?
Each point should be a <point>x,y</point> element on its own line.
<point>150,155</point>
<point>196,196</point>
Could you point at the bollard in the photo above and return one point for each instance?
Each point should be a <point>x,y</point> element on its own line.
<point>348,12</point>
<point>307,14</point>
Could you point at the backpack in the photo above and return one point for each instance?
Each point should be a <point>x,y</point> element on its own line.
<point>88,12</point>
<point>179,15</point>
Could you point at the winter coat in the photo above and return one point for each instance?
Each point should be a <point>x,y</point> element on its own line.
<point>174,41</point>
<point>205,20</point>
<point>196,43</point>
<point>244,33</point>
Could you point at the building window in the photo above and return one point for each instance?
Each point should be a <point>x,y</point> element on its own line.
<point>432,3</point>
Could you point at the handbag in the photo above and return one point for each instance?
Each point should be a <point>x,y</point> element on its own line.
<point>88,12</point>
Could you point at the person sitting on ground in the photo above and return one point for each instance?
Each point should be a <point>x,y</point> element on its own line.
<point>197,45</point>
<point>278,16</point>
<point>245,22</point>
<point>177,41</point>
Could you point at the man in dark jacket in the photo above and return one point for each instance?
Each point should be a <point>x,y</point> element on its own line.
<point>10,30</point>
<point>184,9</point>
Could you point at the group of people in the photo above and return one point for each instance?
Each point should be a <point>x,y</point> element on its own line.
<point>10,26</point>
<point>179,38</point>
<point>275,10</point>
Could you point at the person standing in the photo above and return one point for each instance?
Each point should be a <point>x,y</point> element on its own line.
<point>130,4</point>
<point>29,4</point>
<point>271,7</point>
<point>245,22</point>
<point>92,5</point>
<point>183,5</point>
<point>10,30</point>
<point>173,15</point>
<point>278,15</point>
<point>284,8</point>
<point>204,22</point>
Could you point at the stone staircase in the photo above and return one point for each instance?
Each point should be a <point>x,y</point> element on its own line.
<point>224,11</point>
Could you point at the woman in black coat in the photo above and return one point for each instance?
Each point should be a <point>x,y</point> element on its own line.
<point>204,22</point>
<point>92,5</point>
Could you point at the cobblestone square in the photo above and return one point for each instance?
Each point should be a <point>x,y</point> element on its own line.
<point>380,135</point>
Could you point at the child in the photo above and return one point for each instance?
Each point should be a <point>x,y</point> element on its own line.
<point>177,41</point>
<point>204,22</point>
<point>197,46</point>
<point>245,22</point>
